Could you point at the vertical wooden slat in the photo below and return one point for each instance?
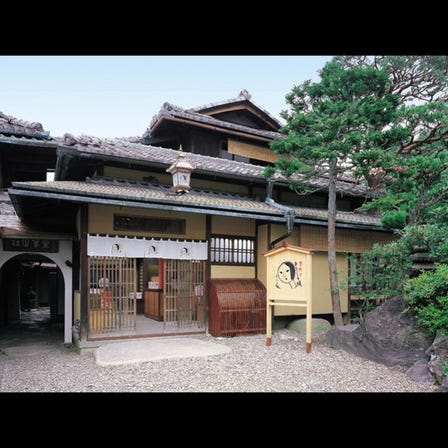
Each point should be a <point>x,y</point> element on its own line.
<point>182,293</point>
<point>112,304</point>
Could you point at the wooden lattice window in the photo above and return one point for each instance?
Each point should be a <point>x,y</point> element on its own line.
<point>229,249</point>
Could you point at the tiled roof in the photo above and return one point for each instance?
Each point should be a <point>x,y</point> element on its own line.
<point>244,95</point>
<point>169,110</point>
<point>6,209</point>
<point>9,221</point>
<point>11,126</point>
<point>12,226</point>
<point>28,141</point>
<point>141,192</point>
<point>123,149</point>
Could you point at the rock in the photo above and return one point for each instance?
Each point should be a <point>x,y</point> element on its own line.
<point>319,328</point>
<point>388,335</point>
<point>317,325</point>
<point>438,358</point>
<point>342,337</point>
<point>444,386</point>
<point>420,373</point>
<point>280,322</point>
<point>350,338</point>
<point>393,327</point>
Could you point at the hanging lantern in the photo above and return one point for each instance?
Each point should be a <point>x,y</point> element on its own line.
<point>181,171</point>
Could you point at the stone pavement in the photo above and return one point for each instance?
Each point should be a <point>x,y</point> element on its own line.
<point>135,351</point>
<point>34,334</point>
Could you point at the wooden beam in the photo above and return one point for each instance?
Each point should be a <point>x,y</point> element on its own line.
<point>251,151</point>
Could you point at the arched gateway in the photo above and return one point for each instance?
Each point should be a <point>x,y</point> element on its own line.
<point>57,251</point>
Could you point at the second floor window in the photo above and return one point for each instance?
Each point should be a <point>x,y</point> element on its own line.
<point>229,249</point>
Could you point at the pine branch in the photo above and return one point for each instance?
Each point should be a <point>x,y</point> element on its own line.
<point>430,138</point>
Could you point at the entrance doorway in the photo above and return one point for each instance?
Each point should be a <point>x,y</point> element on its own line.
<point>169,292</point>
<point>31,298</point>
<point>183,294</point>
<point>112,294</point>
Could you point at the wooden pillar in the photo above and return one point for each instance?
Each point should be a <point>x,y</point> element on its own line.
<point>207,268</point>
<point>76,254</point>
<point>268,322</point>
<point>84,271</point>
<point>309,310</point>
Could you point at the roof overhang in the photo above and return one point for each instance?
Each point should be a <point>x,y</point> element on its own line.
<point>68,156</point>
<point>22,141</point>
<point>18,194</point>
<point>25,193</point>
<point>29,232</point>
<point>243,105</point>
<point>80,161</point>
<point>212,127</point>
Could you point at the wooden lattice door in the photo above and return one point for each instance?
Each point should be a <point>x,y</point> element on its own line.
<point>112,294</point>
<point>183,294</point>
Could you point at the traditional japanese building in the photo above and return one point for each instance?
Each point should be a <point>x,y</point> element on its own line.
<point>235,129</point>
<point>143,253</point>
<point>35,257</point>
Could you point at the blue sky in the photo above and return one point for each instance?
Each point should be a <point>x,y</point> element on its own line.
<point>117,96</point>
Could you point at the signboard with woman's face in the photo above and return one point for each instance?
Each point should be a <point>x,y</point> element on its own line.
<point>287,274</point>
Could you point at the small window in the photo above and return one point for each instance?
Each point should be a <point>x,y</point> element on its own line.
<point>228,249</point>
<point>50,175</point>
<point>145,224</point>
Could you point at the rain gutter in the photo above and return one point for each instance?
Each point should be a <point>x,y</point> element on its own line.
<point>289,215</point>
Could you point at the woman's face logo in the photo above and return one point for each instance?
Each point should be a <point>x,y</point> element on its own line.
<point>288,274</point>
<point>284,273</point>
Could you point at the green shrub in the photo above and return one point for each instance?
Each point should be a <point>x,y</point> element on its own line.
<point>383,272</point>
<point>427,295</point>
<point>380,273</point>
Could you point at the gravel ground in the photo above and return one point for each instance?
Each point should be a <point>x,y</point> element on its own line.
<point>249,367</point>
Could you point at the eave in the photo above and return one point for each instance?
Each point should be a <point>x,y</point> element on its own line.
<point>242,106</point>
<point>22,141</point>
<point>65,154</point>
<point>162,198</point>
<point>209,127</point>
<point>81,199</point>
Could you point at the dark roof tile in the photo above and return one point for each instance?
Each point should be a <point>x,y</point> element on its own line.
<point>124,149</point>
<point>150,193</point>
<point>12,126</point>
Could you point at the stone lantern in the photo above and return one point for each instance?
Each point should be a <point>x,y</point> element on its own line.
<point>181,171</point>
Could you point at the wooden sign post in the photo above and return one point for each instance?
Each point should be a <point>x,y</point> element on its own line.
<point>289,283</point>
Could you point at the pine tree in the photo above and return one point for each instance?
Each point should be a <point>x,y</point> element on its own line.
<point>337,127</point>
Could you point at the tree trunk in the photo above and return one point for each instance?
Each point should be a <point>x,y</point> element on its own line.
<point>334,284</point>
